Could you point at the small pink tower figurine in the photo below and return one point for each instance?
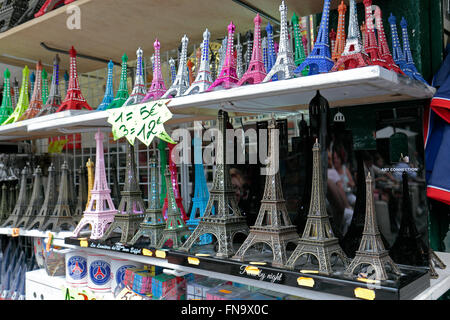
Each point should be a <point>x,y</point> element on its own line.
<point>227,78</point>
<point>157,88</point>
<point>74,98</point>
<point>256,71</point>
<point>100,210</point>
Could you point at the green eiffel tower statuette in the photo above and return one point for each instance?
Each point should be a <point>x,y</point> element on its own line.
<point>6,109</point>
<point>22,104</point>
<point>44,93</point>
<point>299,51</point>
<point>122,93</point>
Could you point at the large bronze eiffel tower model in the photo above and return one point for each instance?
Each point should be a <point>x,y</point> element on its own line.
<point>371,249</point>
<point>226,219</point>
<point>21,201</point>
<point>318,239</point>
<point>36,200</point>
<point>62,215</point>
<point>273,225</point>
<point>131,209</point>
<point>176,230</point>
<point>51,196</point>
<point>153,224</point>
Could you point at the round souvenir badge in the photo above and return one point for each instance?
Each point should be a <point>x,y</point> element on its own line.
<point>99,272</point>
<point>77,267</point>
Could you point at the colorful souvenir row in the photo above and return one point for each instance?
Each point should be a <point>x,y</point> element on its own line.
<point>332,51</point>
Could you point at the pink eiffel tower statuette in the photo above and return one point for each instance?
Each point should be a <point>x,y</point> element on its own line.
<point>74,98</point>
<point>36,99</point>
<point>157,88</point>
<point>100,210</point>
<point>256,71</point>
<point>227,78</point>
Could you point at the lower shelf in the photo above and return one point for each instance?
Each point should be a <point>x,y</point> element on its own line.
<point>412,282</point>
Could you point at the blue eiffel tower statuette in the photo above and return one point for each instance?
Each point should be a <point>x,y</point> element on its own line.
<point>319,60</point>
<point>109,91</point>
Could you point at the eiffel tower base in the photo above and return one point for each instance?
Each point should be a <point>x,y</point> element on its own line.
<point>276,240</point>
<point>12,221</point>
<point>152,232</point>
<point>377,261</point>
<point>56,223</point>
<point>38,222</point>
<point>177,236</point>
<point>25,221</point>
<point>435,261</point>
<point>128,224</point>
<point>352,61</point>
<point>204,239</point>
<point>98,222</point>
<point>223,230</point>
<point>321,251</point>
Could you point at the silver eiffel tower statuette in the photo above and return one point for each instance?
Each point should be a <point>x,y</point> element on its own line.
<point>181,83</point>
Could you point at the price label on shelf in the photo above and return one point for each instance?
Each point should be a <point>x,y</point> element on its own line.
<point>142,121</point>
<point>15,232</point>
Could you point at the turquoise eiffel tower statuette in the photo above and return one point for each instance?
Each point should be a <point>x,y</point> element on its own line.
<point>6,109</point>
<point>122,93</point>
<point>109,91</point>
<point>44,93</point>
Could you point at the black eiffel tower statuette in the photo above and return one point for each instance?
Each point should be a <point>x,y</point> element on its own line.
<point>225,220</point>
<point>131,208</point>
<point>36,200</point>
<point>153,224</point>
<point>51,196</point>
<point>176,230</point>
<point>21,201</point>
<point>371,250</point>
<point>4,210</point>
<point>62,215</point>
<point>318,239</point>
<point>82,194</point>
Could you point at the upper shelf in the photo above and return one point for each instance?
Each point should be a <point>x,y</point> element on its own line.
<point>361,86</point>
<point>110,28</point>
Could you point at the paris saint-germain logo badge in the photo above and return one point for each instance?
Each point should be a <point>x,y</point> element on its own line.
<point>120,273</point>
<point>76,266</point>
<point>100,272</point>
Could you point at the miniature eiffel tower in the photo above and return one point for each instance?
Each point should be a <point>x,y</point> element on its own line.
<point>62,215</point>
<point>190,65</point>
<point>227,78</point>
<point>36,201</point>
<point>49,201</point>
<point>332,36</point>
<point>407,52</point>
<point>21,202</point>
<point>22,104</point>
<point>397,51</point>
<point>82,194</point>
<point>181,82</point>
<point>354,55</point>
<point>139,91</point>
<point>319,60</point>
<point>318,239</point>
<point>370,40</point>
<point>339,46</point>
<point>284,64</point>
<point>35,105</point>
<point>153,225</point>
<point>176,191</point>
<point>299,51</point>
<point>32,82</point>
<point>173,70</point>
<point>226,220</point>
<point>256,71</point>
<point>222,53</point>
<point>4,210</point>
<point>157,88</point>
<point>122,92</point>
<point>213,64</point>
<point>16,94</point>
<point>109,91</point>
<point>371,249</point>
<point>90,171</point>
<point>12,197</point>
<point>201,193</point>
<point>175,230</point>
<point>203,80</point>
<point>273,225</point>
<point>271,54</point>
<point>74,99</point>
<point>54,99</point>
<point>249,51</point>
<point>44,86</point>
<point>385,52</point>
<point>131,208</point>
<point>6,109</point>
<point>162,167</point>
<point>264,52</point>
<point>239,62</point>
<point>100,210</point>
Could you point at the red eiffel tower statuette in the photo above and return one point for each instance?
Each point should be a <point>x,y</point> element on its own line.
<point>370,40</point>
<point>74,98</point>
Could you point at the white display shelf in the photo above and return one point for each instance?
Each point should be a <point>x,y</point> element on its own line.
<point>440,285</point>
<point>344,88</point>
<point>36,233</point>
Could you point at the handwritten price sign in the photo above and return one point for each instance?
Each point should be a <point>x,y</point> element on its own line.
<point>141,121</point>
